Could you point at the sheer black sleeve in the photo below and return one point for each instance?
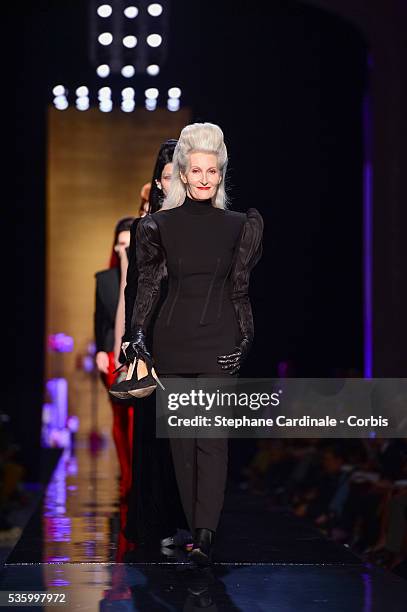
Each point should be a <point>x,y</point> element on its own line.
<point>248,253</point>
<point>151,266</point>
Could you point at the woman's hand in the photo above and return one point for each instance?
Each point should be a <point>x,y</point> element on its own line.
<point>232,362</point>
<point>136,346</point>
<point>102,362</point>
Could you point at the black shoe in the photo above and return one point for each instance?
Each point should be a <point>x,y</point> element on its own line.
<point>178,555</point>
<point>120,389</point>
<point>141,380</point>
<point>147,378</point>
<point>201,553</point>
<point>181,539</point>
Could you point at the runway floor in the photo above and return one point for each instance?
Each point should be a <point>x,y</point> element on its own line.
<point>266,559</point>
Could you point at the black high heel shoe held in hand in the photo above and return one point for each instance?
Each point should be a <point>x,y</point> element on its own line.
<point>147,379</point>
<point>141,380</point>
<point>120,388</point>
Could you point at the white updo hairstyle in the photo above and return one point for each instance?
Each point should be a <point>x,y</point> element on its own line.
<point>202,137</point>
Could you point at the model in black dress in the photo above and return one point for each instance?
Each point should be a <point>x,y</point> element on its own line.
<point>205,325</point>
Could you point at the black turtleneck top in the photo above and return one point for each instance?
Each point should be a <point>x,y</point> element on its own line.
<point>197,207</point>
<point>207,254</point>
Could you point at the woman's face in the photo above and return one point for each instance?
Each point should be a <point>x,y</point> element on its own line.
<point>123,240</point>
<point>203,176</point>
<point>165,180</point>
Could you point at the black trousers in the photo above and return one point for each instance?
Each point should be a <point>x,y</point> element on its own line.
<point>201,469</point>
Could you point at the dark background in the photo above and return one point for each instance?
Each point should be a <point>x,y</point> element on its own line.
<point>286,84</point>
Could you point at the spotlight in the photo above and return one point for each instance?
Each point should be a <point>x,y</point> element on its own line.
<point>103,70</point>
<point>151,93</point>
<point>131,12</point>
<point>154,40</point>
<point>105,106</point>
<point>104,10</point>
<point>104,93</point>
<point>173,104</point>
<point>105,38</point>
<point>128,93</point>
<point>82,103</point>
<point>151,105</point>
<point>155,9</point>
<point>82,91</point>
<point>153,69</point>
<point>174,92</point>
<point>59,90</point>
<point>128,71</point>
<point>130,41</point>
<point>128,106</point>
<point>61,103</point>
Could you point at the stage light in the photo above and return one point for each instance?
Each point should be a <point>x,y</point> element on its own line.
<point>104,93</point>
<point>153,69</point>
<point>128,105</point>
<point>60,343</point>
<point>59,90</point>
<point>130,41</point>
<point>151,93</point>
<point>131,12</point>
<point>82,103</point>
<point>154,40</point>
<point>151,105</point>
<point>174,92</point>
<point>82,91</point>
<point>105,106</point>
<point>105,38</point>
<point>155,9</point>
<point>128,93</point>
<point>173,104</point>
<point>61,103</point>
<point>103,71</point>
<point>104,10</point>
<point>128,71</point>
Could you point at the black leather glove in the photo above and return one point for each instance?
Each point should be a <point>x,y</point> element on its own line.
<point>232,362</point>
<point>136,345</point>
<point>247,254</point>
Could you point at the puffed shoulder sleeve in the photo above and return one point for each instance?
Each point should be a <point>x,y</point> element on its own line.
<point>251,241</point>
<point>247,254</point>
<point>150,257</point>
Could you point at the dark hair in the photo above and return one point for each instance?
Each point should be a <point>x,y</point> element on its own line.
<point>164,157</point>
<point>122,225</point>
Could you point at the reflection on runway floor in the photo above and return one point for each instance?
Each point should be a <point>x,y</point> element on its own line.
<point>73,545</point>
<point>148,588</point>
